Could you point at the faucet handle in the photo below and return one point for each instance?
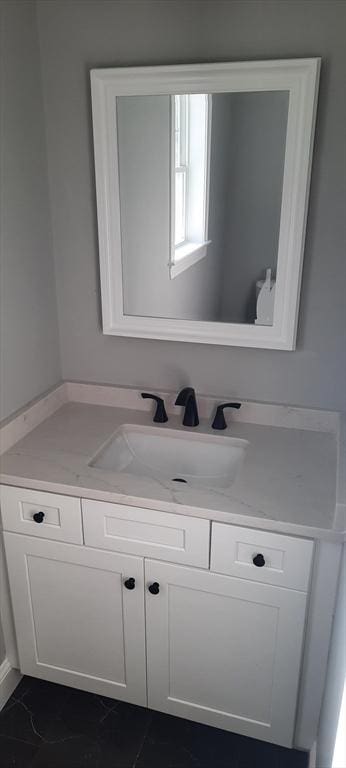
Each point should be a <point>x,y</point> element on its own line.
<point>160,416</point>
<point>183,395</point>
<point>219,419</point>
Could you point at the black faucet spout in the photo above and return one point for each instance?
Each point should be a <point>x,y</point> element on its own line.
<point>187,398</point>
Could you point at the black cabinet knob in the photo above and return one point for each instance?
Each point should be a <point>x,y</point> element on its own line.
<point>38,517</point>
<point>154,588</point>
<point>130,583</point>
<point>259,560</point>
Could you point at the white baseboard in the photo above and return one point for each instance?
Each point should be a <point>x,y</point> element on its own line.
<point>312,756</point>
<point>9,679</point>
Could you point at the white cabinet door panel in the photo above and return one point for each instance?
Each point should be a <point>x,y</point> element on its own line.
<point>223,651</point>
<point>76,622</point>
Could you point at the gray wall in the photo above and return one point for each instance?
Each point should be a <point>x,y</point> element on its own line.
<point>258,123</point>
<point>29,361</point>
<point>76,36</point>
<point>220,152</point>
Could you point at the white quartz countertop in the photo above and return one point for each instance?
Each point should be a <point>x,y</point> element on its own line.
<point>287,482</point>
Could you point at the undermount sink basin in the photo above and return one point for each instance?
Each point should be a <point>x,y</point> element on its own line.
<point>170,454</point>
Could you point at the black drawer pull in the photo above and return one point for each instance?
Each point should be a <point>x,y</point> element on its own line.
<point>38,517</point>
<point>259,560</point>
<point>130,583</point>
<point>154,588</point>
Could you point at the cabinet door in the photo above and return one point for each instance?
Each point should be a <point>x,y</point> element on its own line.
<point>224,651</point>
<point>76,622</point>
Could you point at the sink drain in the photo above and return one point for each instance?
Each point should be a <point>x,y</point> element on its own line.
<point>178,480</point>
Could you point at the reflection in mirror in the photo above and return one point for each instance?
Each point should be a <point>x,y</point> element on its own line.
<point>200,183</point>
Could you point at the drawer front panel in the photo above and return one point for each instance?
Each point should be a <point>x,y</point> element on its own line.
<point>261,556</point>
<point>146,532</point>
<point>46,515</point>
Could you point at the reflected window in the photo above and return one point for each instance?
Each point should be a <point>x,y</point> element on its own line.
<point>191,127</point>
<point>181,168</point>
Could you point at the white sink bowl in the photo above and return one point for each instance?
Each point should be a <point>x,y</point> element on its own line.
<point>170,454</point>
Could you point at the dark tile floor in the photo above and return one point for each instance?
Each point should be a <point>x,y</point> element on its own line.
<point>49,726</point>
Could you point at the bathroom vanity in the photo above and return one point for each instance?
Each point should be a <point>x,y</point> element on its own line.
<point>218,640</point>
<point>176,551</point>
<point>198,601</point>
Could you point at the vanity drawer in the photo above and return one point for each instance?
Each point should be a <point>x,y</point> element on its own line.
<point>146,532</point>
<point>261,556</point>
<point>47,515</point>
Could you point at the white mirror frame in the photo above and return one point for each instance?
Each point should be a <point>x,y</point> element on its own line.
<point>299,77</point>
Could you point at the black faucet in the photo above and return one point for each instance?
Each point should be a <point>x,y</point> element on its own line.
<point>187,398</point>
<point>219,419</point>
<point>160,416</point>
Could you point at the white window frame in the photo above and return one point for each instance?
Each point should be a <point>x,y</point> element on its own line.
<point>189,251</point>
<point>182,168</point>
<point>300,77</point>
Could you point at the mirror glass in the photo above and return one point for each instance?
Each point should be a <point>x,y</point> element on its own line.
<point>200,185</point>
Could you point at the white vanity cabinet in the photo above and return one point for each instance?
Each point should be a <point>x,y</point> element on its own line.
<point>154,623</point>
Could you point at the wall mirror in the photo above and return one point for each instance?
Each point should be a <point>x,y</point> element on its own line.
<point>202,176</point>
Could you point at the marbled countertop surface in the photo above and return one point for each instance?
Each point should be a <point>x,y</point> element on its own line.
<point>287,482</point>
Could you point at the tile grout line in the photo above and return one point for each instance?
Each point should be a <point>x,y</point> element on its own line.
<point>150,720</point>
<point>21,741</point>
